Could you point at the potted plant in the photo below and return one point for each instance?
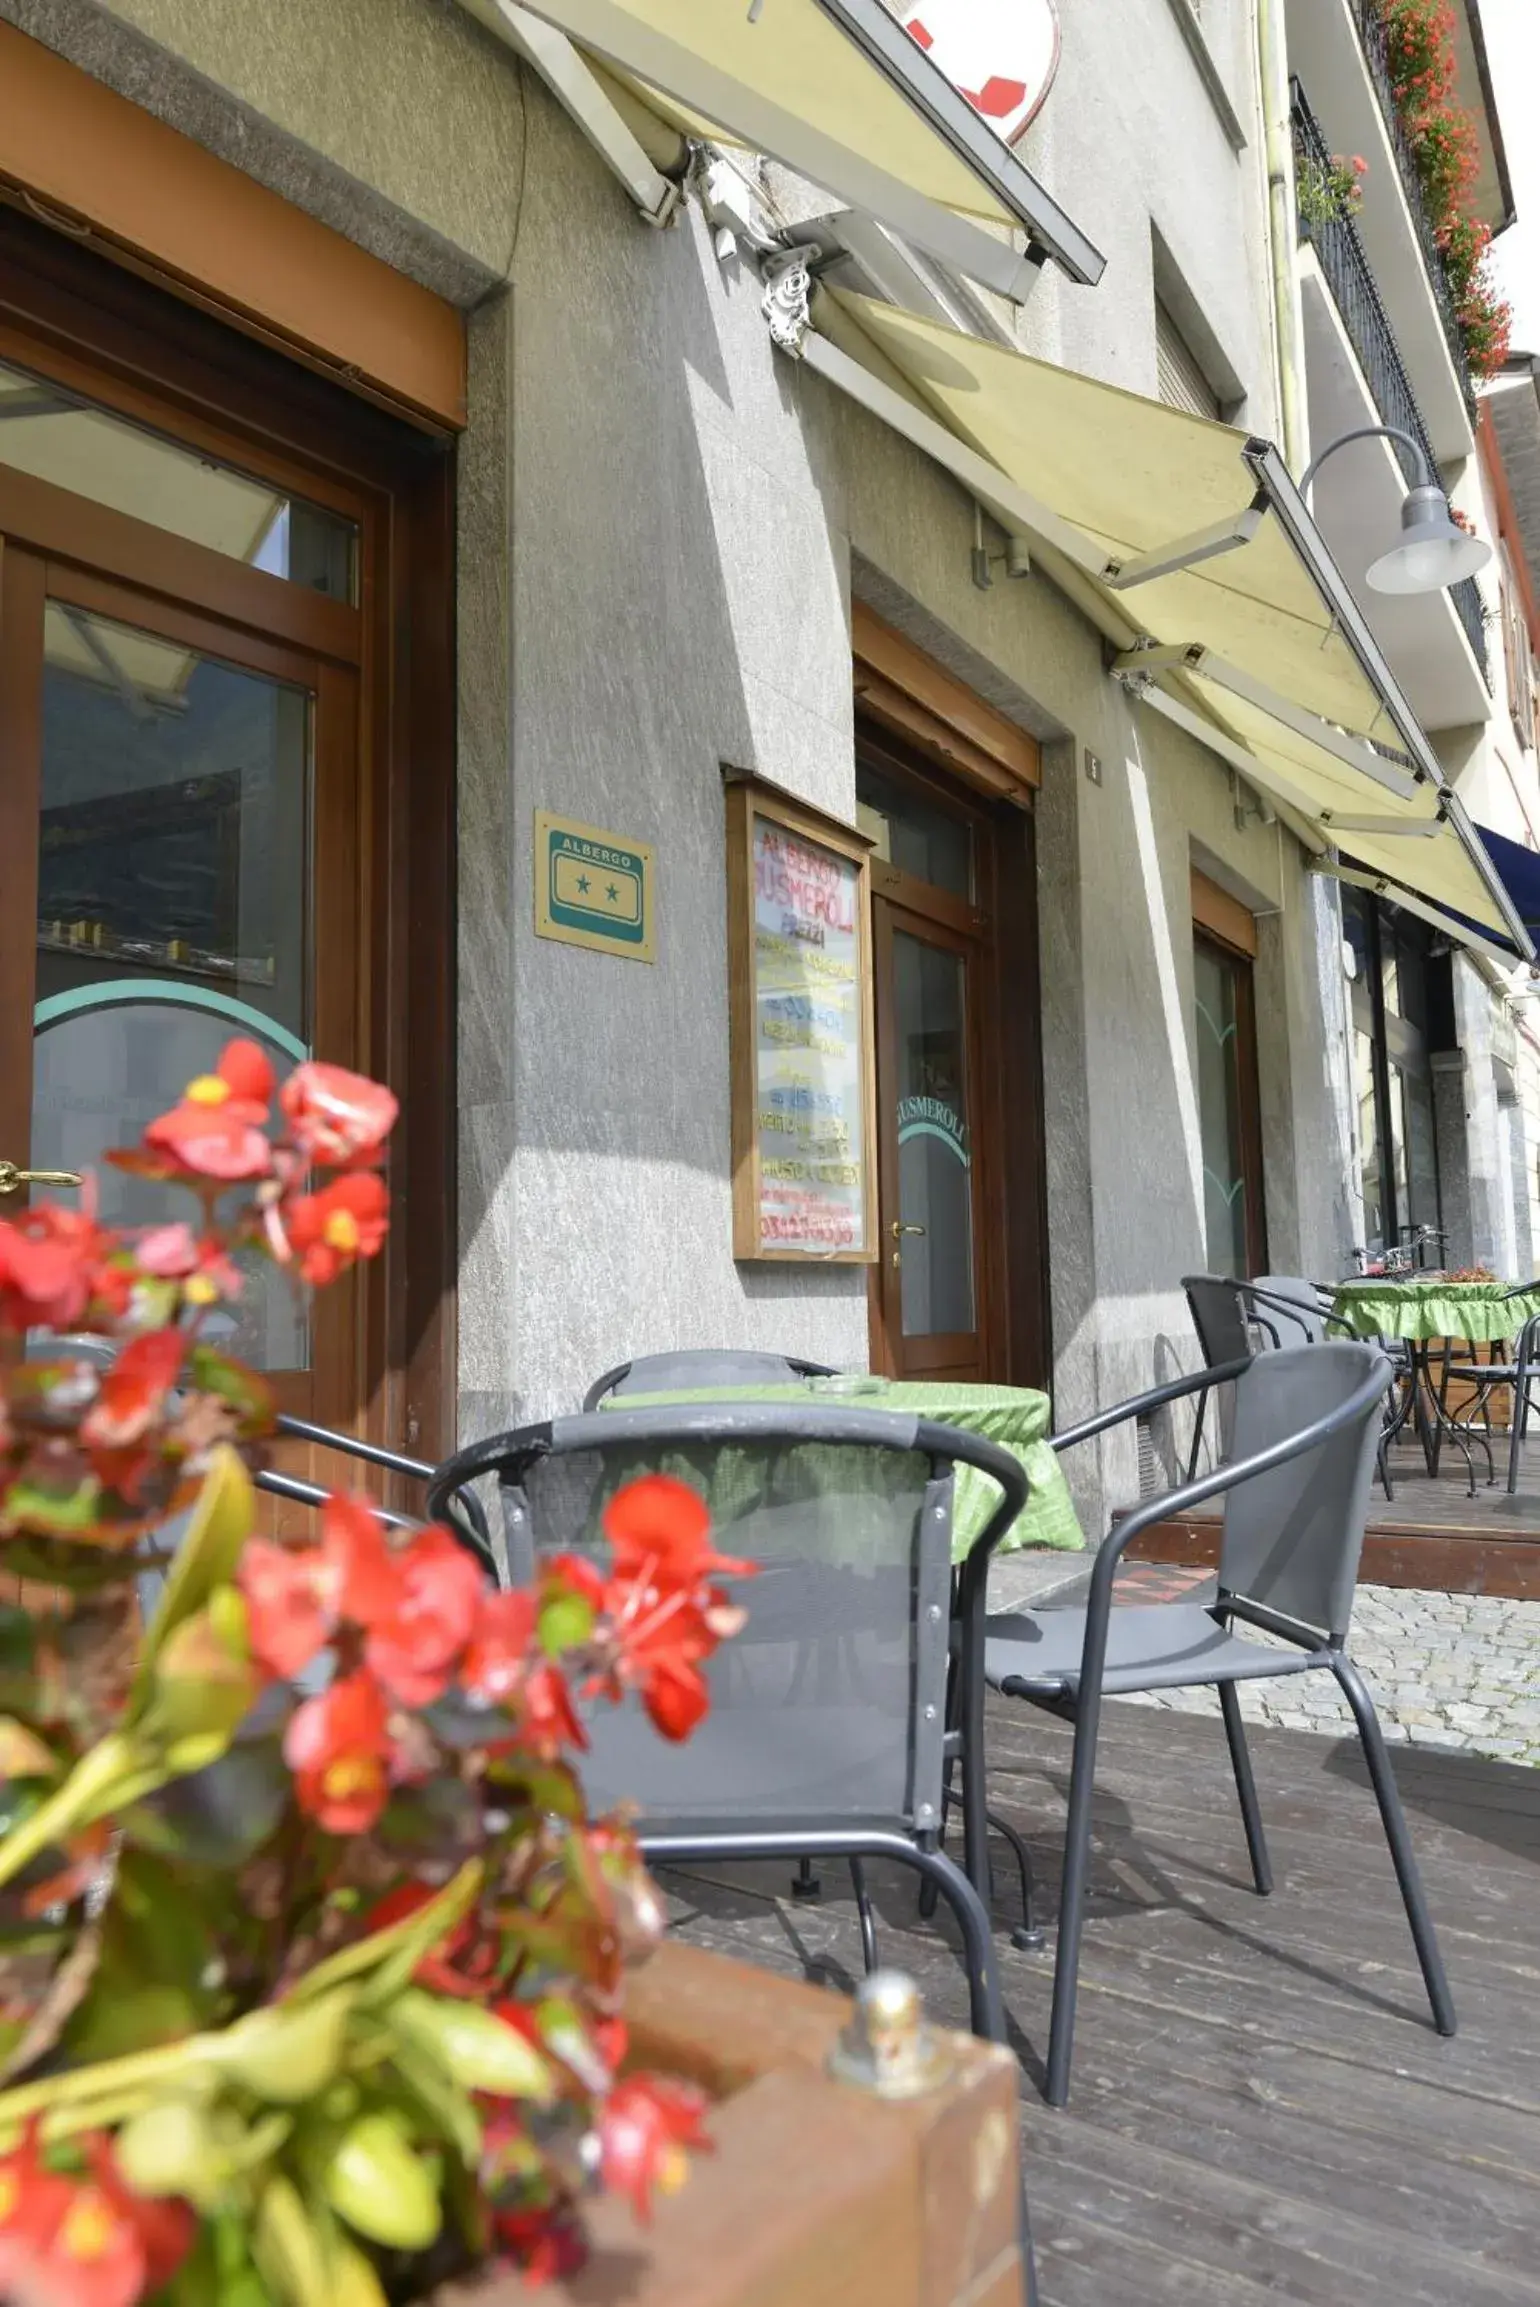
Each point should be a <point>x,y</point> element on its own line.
<point>311,1960</point>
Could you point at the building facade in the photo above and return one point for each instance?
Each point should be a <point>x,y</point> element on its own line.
<point>649,557</point>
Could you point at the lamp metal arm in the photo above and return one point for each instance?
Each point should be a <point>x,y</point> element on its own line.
<point>1426,477</point>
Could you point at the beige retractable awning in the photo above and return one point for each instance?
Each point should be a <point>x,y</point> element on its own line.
<point>838,91</point>
<point>1191,536</point>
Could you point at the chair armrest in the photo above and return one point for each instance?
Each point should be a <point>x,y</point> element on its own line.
<point>1101,1421</point>
<point>1173,1502</point>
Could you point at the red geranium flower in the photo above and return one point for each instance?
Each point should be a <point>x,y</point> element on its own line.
<point>347,1220</point>
<point>414,1643</point>
<point>645,2126</point>
<point>337,1117</point>
<point>675,1695</point>
<point>337,1746</point>
<point>215,1132</point>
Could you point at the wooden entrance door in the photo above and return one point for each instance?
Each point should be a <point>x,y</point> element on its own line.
<point>204,665</point>
<point>939,1294</point>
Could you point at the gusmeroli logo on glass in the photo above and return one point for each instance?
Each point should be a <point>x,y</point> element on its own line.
<point>933,1117</point>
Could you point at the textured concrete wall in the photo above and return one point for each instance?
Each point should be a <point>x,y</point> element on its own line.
<point>399,122</point>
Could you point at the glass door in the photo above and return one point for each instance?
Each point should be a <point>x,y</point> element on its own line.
<point>1229,1112</point>
<point>170,819</point>
<point>927,1101</point>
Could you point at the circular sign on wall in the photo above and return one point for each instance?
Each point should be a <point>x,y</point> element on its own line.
<point>1000,54</point>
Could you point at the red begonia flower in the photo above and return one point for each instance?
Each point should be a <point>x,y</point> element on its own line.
<point>547,2245</point>
<point>337,1746</point>
<point>660,1529</point>
<point>329,1231</point>
<point>296,1597</point>
<point>675,1695</point>
<point>167,2227</point>
<point>645,2126</point>
<point>174,1253</point>
<point>413,1647</point>
<point>215,1131</point>
<point>133,1392</point>
<point>501,1644</point>
<point>71,2243</point>
<point>335,1116</point>
<point>50,1265</point>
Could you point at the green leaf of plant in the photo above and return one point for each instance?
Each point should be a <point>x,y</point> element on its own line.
<point>566,1622</point>
<point>206,1559</point>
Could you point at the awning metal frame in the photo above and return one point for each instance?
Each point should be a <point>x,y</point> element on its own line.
<point>1381,885</point>
<point>904,62</point>
<point>1187,552</point>
<point>955,239</point>
<point>657,197</point>
<point>1350,751</point>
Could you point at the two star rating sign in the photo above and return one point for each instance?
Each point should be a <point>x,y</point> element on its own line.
<point>593,888</point>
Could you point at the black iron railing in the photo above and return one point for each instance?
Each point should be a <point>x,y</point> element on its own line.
<point>1371,33</point>
<point>1333,235</point>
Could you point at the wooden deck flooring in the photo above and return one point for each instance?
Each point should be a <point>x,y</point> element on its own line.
<point>1260,2108</point>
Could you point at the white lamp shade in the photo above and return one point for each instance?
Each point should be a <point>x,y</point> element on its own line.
<point>1433,553</point>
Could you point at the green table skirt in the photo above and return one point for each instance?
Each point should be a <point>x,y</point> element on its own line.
<point>1013,1416</point>
<point>1478,1312</point>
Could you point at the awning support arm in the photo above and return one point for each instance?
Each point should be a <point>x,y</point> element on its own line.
<point>1186,552</point>
<point>1384,828</point>
<point>580,96</point>
<point>1257,774</point>
<point>1381,885</point>
<point>1209,667</point>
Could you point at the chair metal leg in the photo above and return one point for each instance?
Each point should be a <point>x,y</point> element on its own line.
<point>1246,1788</point>
<point>1382,1459</point>
<point>805,1885</point>
<point>1072,1897</point>
<point>867,1919</point>
<point>1026,1936</point>
<point>1393,1818</point>
<point>1197,1438</point>
<point>987,2011</point>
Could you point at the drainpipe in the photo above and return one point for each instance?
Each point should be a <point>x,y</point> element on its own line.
<point>1282,238</point>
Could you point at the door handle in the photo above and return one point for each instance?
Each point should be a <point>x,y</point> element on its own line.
<point>12,1179</point>
<point>898,1227</point>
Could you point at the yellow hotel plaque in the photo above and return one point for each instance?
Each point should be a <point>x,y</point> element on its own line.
<point>592,888</point>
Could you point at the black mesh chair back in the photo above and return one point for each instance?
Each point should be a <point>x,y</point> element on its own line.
<point>695,1367</point>
<point>1219,1316</point>
<point>1293,1536</point>
<point>828,1705</point>
<point>1295,1306</point>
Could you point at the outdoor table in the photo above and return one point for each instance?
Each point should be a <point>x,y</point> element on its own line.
<point>1420,1310</point>
<point>1015,1417</point>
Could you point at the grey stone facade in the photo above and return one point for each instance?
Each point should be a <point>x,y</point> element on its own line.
<point>662,525</point>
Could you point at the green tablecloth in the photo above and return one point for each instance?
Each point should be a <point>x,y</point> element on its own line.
<point>1478,1312</point>
<point>1012,1416</point>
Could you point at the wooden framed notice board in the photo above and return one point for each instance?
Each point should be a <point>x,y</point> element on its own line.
<point>800,1006</point>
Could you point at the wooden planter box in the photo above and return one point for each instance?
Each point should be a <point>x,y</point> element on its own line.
<point>816,2194</point>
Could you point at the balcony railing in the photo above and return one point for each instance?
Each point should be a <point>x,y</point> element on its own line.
<point>1340,253</point>
<point>1371,33</point>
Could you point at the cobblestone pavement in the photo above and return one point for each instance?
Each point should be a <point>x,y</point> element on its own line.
<point>1450,1670</point>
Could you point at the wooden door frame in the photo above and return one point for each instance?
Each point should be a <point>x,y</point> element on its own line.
<point>132,347</point>
<point>1249,1084</point>
<point>1002,922</point>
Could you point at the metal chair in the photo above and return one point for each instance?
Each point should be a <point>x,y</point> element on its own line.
<point>1296,1500</point>
<point>827,1730</point>
<point>694,1367</point>
<point>464,1515</point>
<point>1522,1374</point>
<point>1227,1332</point>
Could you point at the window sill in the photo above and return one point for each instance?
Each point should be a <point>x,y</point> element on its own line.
<point>1208,73</point>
